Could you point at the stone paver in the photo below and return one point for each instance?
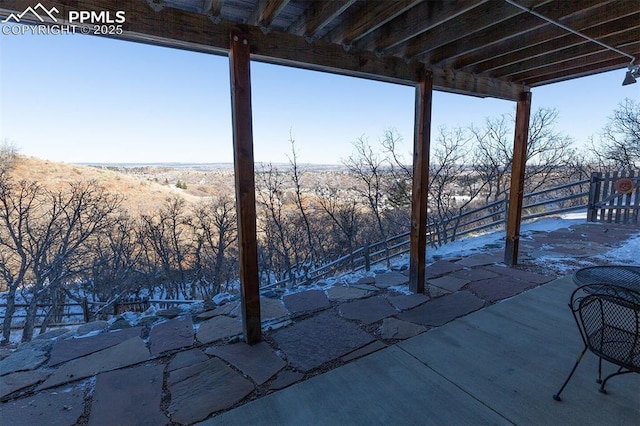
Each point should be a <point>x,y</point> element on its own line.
<point>51,334</point>
<point>127,353</point>
<point>258,361</point>
<point>366,280</point>
<point>285,379</point>
<point>449,283</point>
<point>314,341</point>
<point>443,309</point>
<point>170,335</point>
<point>407,301</point>
<point>130,396</point>
<point>306,301</point>
<point>481,259</point>
<point>499,288</point>
<point>45,408</point>
<point>393,328</point>
<point>365,350</point>
<point>475,274</point>
<point>439,268</point>
<point>390,279</point>
<point>522,275</point>
<point>211,386</point>
<point>229,308</point>
<point>217,328</point>
<point>91,327</point>
<point>68,349</point>
<point>368,310</point>
<point>272,309</point>
<point>20,380</point>
<point>187,358</point>
<point>340,293</point>
<point>25,358</point>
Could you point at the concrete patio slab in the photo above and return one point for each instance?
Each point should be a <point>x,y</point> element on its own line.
<point>443,309</point>
<point>515,355</point>
<point>365,350</point>
<point>368,310</point>
<point>258,361</point>
<point>388,387</point>
<point>129,396</point>
<point>319,339</point>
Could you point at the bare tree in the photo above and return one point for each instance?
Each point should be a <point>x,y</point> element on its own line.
<point>619,141</point>
<point>215,234</point>
<point>58,241</point>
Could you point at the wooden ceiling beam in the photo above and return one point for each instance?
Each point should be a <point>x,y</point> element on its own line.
<point>557,75</point>
<point>544,34</point>
<point>265,12</point>
<point>556,53</point>
<point>317,16</point>
<point>489,40</point>
<point>419,19</point>
<point>195,32</point>
<point>484,16</point>
<point>363,22</point>
<point>587,61</point>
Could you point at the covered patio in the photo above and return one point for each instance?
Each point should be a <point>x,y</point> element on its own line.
<point>498,365</point>
<point>499,49</point>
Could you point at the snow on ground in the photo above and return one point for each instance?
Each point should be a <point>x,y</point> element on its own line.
<point>629,253</point>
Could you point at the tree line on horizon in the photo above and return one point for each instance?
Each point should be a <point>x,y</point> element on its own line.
<point>80,241</point>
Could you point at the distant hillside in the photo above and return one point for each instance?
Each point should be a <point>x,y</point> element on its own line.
<point>141,194</point>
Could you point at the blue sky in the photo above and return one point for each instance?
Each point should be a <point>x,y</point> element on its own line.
<point>89,99</point>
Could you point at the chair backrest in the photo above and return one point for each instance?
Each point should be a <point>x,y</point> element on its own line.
<point>609,320</point>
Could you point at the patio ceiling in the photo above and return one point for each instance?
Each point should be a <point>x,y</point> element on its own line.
<point>478,47</point>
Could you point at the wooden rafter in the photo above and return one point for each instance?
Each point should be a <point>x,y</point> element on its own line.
<point>319,14</point>
<point>266,11</point>
<point>514,28</point>
<point>413,22</point>
<point>580,21</point>
<point>363,22</point>
<point>478,19</point>
<point>550,54</point>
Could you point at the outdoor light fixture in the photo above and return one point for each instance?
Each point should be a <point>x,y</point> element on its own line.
<point>632,74</point>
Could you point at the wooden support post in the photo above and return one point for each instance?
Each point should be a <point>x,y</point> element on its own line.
<point>245,186</point>
<point>421,144</point>
<point>516,190</point>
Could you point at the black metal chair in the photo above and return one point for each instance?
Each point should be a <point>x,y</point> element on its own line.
<point>608,318</point>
